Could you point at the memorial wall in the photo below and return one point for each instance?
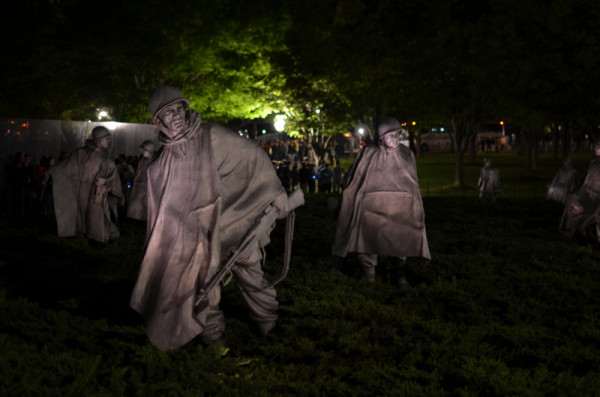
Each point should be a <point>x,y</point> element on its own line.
<point>51,137</point>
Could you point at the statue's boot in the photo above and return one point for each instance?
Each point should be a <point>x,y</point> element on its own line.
<point>403,283</point>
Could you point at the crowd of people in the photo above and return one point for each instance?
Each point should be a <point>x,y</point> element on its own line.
<point>26,187</point>
<point>294,162</point>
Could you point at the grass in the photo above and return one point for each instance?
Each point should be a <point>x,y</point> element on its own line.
<point>436,173</point>
<point>507,306</point>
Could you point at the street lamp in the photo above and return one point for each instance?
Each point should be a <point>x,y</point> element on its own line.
<point>279,123</point>
<point>362,132</point>
<point>102,114</point>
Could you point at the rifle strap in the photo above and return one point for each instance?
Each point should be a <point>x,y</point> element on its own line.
<point>287,254</point>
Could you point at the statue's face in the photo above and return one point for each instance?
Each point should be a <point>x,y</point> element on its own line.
<point>146,154</point>
<point>391,140</point>
<point>173,117</point>
<point>104,142</point>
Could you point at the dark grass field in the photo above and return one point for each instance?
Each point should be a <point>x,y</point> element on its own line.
<point>507,306</point>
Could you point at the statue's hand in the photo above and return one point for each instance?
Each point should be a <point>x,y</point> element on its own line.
<point>282,205</point>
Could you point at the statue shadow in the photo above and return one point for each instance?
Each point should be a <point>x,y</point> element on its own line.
<point>70,274</point>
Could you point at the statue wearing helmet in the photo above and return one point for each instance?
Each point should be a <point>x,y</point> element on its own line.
<point>382,210</point>
<point>489,181</point>
<point>86,189</point>
<point>164,96</point>
<point>206,188</point>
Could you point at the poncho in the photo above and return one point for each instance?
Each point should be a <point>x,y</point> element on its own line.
<point>489,181</point>
<point>581,206</point>
<point>382,209</point>
<point>137,207</point>
<point>74,188</point>
<point>564,183</point>
<point>205,189</point>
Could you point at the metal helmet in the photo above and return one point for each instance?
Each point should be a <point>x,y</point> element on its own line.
<point>99,133</point>
<point>147,145</point>
<point>387,125</point>
<point>162,97</point>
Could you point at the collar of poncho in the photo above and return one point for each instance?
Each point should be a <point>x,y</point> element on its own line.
<point>178,142</point>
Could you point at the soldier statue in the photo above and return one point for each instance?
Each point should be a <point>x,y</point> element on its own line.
<point>382,210</point>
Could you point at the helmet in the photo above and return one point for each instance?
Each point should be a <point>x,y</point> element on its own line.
<point>387,125</point>
<point>99,133</point>
<point>147,145</point>
<point>162,97</point>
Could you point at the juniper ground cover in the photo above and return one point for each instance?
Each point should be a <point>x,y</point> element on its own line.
<point>507,306</point>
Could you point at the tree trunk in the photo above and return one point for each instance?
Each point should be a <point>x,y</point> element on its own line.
<point>413,145</point>
<point>461,132</point>
<point>527,150</point>
<point>415,142</point>
<point>473,149</point>
<point>566,140</point>
<point>254,130</point>
<point>555,140</point>
<point>459,178</point>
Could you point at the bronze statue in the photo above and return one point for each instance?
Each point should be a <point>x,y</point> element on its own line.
<point>206,189</point>
<point>382,210</point>
<point>580,216</point>
<point>489,181</point>
<point>564,183</point>
<point>137,207</point>
<point>87,189</point>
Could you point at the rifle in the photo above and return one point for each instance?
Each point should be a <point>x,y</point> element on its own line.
<point>263,226</point>
<point>100,180</point>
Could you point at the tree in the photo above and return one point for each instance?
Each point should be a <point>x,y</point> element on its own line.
<point>114,53</point>
<point>552,69</point>
<point>345,58</point>
<point>453,70</point>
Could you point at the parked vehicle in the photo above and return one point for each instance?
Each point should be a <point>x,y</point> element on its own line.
<point>436,140</point>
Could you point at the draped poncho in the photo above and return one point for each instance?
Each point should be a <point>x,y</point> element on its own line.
<point>74,188</point>
<point>489,181</point>
<point>581,205</point>
<point>137,207</point>
<point>382,209</point>
<point>564,183</point>
<point>205,189</point>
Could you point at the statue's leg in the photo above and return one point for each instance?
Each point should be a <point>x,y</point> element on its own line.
<point>368,263</point>
<point>259,296</point>
<point>215,321</point>
<point>403,283</point>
